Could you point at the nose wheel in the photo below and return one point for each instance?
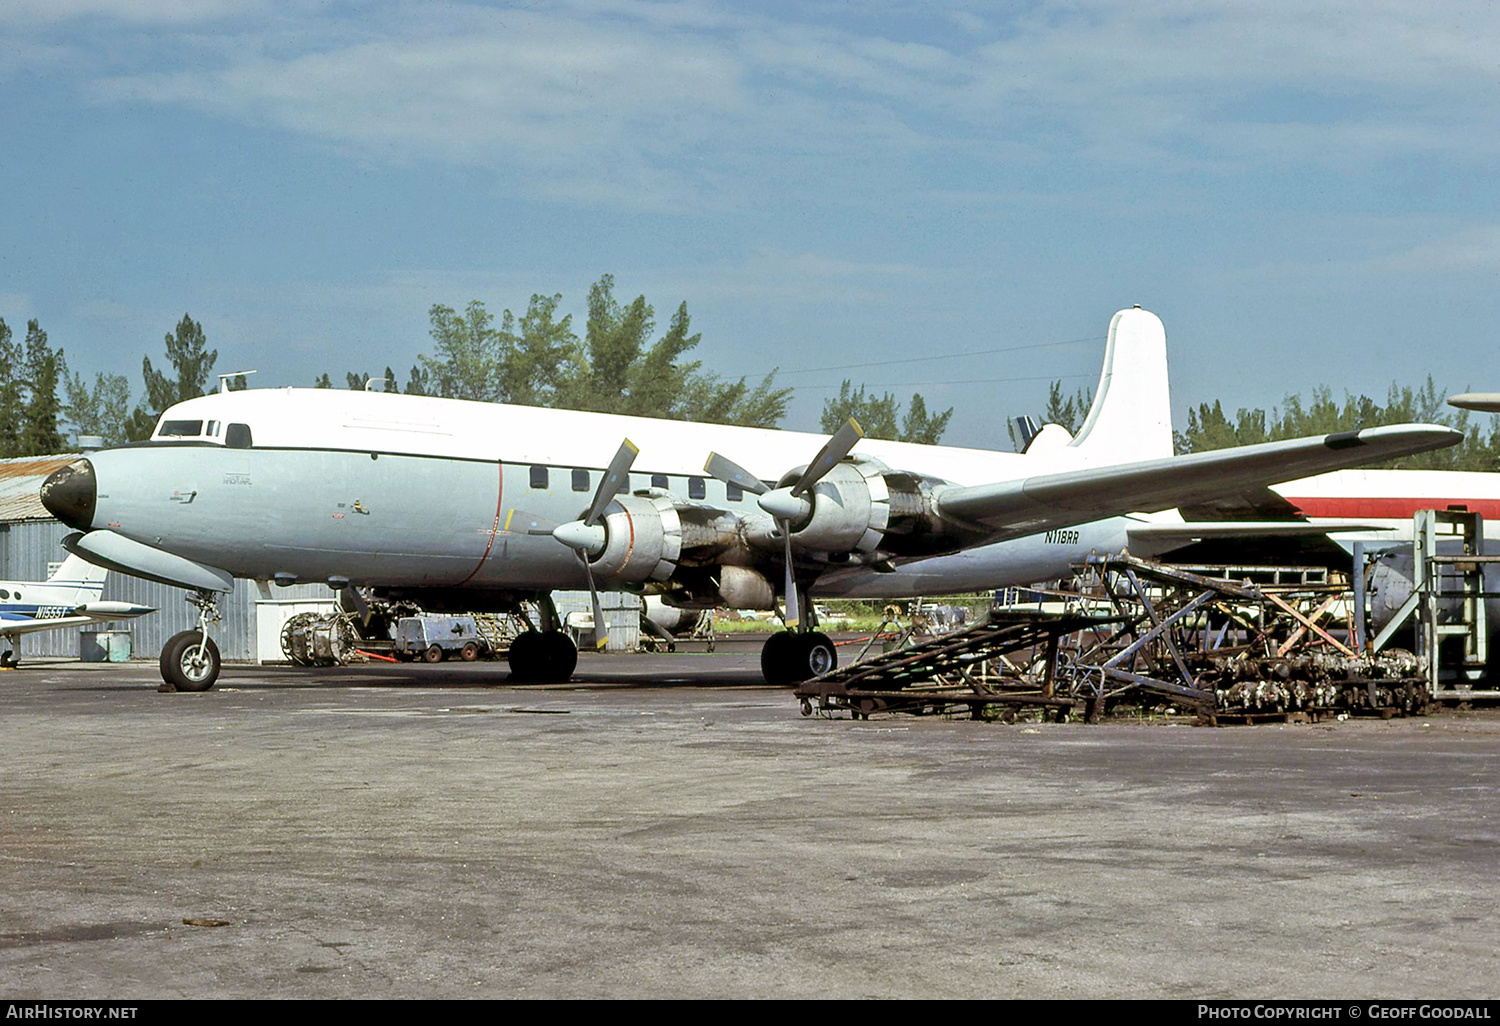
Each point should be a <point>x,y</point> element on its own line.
<point>190,660</point>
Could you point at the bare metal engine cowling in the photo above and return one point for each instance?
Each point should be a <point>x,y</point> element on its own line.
<point>649,535</point>
<point>859,508</point>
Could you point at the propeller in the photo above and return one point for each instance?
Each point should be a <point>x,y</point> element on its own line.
<point>587,537</point>
<point>519,521</point>
<point>788,505</point>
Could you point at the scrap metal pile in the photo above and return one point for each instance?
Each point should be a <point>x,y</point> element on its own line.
<point>1140,633</point>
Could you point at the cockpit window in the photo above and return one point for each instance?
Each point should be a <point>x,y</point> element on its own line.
<point>180,429</point>
<point>237,436</point>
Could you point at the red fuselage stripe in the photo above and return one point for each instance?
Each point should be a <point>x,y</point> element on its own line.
<point>494,528</point>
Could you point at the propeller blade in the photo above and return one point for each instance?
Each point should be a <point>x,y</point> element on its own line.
<point>793,611</point>
<point>721,468</point>
<point>616,478</point>
<point>601,629</point>
<point>835,449</point>
<point>518,521</point>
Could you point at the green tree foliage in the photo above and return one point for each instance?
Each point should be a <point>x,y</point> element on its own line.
<point>1210,428</point>
<point>103,410</point>
<point>880,416</point>
<point>536,359</point>
<point>919,426</point>
<point>40,417</point>
<point>876,414</point>
<point>30,374</point>
<point>192,363</point>
<point>12,392</point>
<point>466,365</point>
<point>538,352</point>
<point>1067,411</point>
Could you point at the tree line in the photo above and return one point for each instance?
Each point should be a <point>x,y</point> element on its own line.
<point>1209,427</point>
<point>622,365</point>
<point>42,402</point>
<point>537,359</point>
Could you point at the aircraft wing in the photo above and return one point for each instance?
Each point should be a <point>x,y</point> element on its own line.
<point>1010,509</point>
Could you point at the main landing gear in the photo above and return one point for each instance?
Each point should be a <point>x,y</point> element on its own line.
<point>791,657</point>
<point>542,657</point>
<point>190,660</point>
<point>546,656</point>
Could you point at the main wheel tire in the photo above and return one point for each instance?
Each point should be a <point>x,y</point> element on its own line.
<point>434,654</point>
<point>818,655</point>
<point>527,656</point>
<point>562,657</point>
<point>188,665</point>
<point>778,658</point>
<point>469,652</point>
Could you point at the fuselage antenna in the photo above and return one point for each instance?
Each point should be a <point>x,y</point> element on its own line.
<point>226,379</point>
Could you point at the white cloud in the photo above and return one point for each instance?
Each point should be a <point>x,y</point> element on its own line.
<point>1475,250</point>
<point>15,309</point>
<point>682,105</point>
<point>139,12</point>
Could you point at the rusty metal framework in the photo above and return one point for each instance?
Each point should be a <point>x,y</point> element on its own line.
<point>972,668</point>
<point>1135,631</point>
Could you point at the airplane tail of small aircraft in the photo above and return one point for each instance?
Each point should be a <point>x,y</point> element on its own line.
<point>1131,416</point>
<point>84,577</point>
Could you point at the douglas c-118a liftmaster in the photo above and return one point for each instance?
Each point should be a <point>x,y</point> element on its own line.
<point>474,506</point>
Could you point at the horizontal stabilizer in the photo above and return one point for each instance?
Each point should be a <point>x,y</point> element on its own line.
<point>1010,509</point>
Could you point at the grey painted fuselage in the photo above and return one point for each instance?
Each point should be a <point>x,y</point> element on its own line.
<point>413,521</point>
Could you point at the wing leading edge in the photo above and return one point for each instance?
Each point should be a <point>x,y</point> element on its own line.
<point>1011,509</point>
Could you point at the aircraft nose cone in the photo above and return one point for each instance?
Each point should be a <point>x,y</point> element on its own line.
<point>69,494</point>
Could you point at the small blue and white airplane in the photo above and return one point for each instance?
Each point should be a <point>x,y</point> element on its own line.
<point>69,598</point>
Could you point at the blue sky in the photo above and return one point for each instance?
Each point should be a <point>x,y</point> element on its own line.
<point>1303,191</point>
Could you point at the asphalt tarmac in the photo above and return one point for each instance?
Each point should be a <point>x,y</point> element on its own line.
<point>666,826</point>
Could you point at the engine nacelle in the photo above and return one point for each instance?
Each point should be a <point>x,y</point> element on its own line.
<point>642,539</point>
<point>649,535</point>
<point>859,507</point>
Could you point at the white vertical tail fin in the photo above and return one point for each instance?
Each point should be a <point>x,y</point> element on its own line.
<point>81,575</point>
<point>1131,416</point>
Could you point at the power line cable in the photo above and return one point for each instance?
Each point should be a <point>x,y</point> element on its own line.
<point>942,356</point>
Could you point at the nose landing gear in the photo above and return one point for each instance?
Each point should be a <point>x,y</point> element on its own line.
<point>190,660</point>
